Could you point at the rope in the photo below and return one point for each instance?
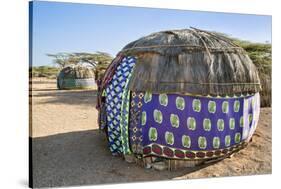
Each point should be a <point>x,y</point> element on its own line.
<point>205,45</point>
<point>217,37</point>
<point>235,47</point>
<point>188,47</point>
<point>167,82</point>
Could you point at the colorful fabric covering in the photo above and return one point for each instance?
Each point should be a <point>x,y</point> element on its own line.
<point>110,71</point>
<point>124,123</point>
<point>180,126</point>
<point>114,94</point>
<point>103,83</point>
<point>135,127</point>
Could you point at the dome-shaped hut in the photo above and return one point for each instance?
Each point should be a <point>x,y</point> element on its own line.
<point>181,95</point>
<point>76,77</point>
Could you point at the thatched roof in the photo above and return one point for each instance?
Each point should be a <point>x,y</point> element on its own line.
<point>76,72</point>
<point>191,61</point>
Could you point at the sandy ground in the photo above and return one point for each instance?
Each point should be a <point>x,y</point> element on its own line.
<point>69,150</point>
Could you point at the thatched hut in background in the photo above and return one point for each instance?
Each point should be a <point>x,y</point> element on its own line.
<point>76,77</point>
<point>182,96</point>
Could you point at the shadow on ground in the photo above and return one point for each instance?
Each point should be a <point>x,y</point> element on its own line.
<point>42,81</point>
<point>43,90</point>
<point>71,97</point>
<point>82,158</point>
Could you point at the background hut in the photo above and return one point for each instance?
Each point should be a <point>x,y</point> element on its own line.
<point>76,77</point>
<point>179,95</point>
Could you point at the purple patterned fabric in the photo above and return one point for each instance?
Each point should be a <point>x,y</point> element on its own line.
<point>135,128</point>
<point>168,120</point>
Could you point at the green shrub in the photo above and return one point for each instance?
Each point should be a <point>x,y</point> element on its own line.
<point>44,71</point>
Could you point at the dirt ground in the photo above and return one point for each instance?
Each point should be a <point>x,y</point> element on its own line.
<point>68,149</point>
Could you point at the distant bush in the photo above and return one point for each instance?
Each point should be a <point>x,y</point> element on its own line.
<point>44,71</point>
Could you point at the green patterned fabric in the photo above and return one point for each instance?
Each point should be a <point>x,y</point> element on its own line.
<point>114,100</point>
<point>124,122</point>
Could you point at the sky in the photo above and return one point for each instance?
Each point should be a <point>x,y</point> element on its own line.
<point>72,27</point>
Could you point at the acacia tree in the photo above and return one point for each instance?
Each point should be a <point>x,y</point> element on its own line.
<point>98,60</point>
<point>94,59</point>
<point>63,59</point>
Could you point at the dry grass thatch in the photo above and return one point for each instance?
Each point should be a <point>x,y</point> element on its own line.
<point>191,61</point>
<point>261,56</point>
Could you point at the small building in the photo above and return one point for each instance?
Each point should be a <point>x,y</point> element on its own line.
<point>180,95</point>
<point>76,77</point>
